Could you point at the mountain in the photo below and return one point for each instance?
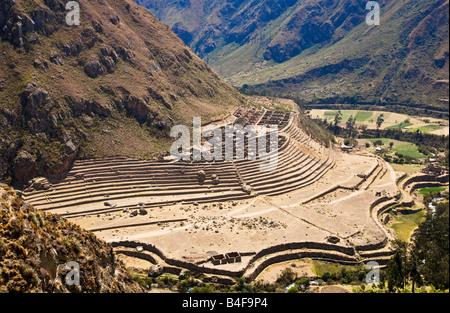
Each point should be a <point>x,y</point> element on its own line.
<point>320,50</point>
<point>113,85</point>
<point>35,248</point>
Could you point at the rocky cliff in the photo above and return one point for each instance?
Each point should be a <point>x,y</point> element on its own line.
<point>36,250</point>
<point>60,85</point>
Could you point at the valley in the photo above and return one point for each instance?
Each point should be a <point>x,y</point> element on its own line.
<point>322,204</point>
<point>194,146</point>
<point>324,46</point>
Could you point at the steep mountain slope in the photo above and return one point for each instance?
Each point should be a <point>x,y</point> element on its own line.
<point>321,50</point>
<point>35,248</point>
<point>114,85</point>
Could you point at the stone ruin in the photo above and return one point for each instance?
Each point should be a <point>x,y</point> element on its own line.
<point>228,258</point>
<point>434,169</point>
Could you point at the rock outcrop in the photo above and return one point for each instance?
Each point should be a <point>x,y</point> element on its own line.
<point>54,76</point>
<point>36,251</point>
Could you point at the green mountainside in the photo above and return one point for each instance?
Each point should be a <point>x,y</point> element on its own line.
<point>321,50</point>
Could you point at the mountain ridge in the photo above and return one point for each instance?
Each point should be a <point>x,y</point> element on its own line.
<point>113,85</point>
<point>407,54</point>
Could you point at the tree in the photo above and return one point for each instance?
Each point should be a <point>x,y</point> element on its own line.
<point>430,246</point>
<point>303,284</point>
<point>380,121</point>
<point>363,128</point>
<point>426,259</point>
<point>377,143</point>
<point>350,126</point>
<point>397,267</point>
<point>337,120</point>
<point>391,145</point>
<point>286,277</point>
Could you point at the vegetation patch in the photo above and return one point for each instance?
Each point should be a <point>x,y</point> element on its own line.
<point>399,148</point>
<point>429,190</point>
<point>406,223</point>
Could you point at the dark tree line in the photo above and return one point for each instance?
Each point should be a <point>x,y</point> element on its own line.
<point>425,261</point>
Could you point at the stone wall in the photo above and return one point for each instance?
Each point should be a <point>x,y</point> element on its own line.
<point>426,185</point>
<point>136,254</point>
<point>302,245</point>
<point>134,244</point>
<point>426,178</point>
<point>293,256</point>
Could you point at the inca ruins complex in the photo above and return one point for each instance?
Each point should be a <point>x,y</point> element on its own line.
<point>230,219</point>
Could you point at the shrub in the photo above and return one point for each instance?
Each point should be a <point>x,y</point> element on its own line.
<point>2,246</point>
<point>303,284</point>
<point>377,143</point>
<point>286,277</point>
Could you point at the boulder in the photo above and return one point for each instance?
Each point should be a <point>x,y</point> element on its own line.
<point>56,59</point>
<point>115,19</point>
<point>32,38</point>
<point>94,69</point>
<point>109,63</point>
<point>247,189</point>
<point>201,175</point>
<point>33,99</point>
<point>155,271</point>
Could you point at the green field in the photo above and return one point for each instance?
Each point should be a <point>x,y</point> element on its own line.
<point>406,224</point>
<point>391,120</point>
<point>401,125</point>
<point>428,190</point>
<point>407,168</point>
<point>361,116</point>
<point>321,267</point>
<point>428,128</point>
<point>407,149</point>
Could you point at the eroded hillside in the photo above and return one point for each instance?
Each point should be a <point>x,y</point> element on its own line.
<point>35,248</point>
<point>113,85</point>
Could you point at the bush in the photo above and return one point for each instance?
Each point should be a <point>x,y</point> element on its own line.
<point>2,246</point>
<point>303,284</point>
<point>377,143</point>
<point>203,289</point>
<point>286,277</point>
<point>326,276</point>
<point>143,280</point>
<point>184,285</point>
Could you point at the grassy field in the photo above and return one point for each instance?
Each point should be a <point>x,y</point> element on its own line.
<point>406,224</point>
<point>321,267</point>
<point>428,128</point>
<point>407,168</point>
<point>361,116</point>
<point>401,125</point>
<point>407,149</point>
<point>428,190</point>
<point>391,120</point>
